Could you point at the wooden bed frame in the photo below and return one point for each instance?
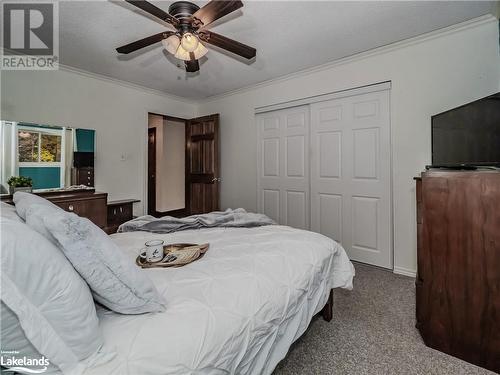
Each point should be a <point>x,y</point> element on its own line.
<point>327,312</point>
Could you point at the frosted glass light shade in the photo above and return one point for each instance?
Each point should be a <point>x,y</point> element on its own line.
<point>171,44</point>
<point>182,54</point>
<point>189,42</point>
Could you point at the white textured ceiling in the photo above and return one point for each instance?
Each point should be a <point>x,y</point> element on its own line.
<point>289,36</point>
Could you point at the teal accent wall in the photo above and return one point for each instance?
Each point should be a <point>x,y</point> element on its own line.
<point>85,140</point>
<point>43,177</point>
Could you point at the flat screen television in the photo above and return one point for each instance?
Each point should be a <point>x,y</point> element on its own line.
<point>468,135</point>
<point>83,159</point>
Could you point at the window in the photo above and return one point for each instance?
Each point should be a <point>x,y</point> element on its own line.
<point>38,147</point>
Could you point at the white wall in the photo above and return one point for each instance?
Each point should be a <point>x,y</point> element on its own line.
<point>429,74</point>
<point>170,163</point>
<point>174,187</point>
<point>117,112</point>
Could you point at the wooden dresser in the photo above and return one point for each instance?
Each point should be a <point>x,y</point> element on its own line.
<point>83,176</point>
<point>458,280</point>
<point>118,213</point>
<point>86,203</point>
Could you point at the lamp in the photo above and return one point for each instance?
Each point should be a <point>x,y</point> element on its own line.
<point>189,42</point>
<point>182,54</point>
<point>171,44</point>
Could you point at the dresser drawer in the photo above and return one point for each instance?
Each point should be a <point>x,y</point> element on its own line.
<point>93,209</point>
<point>119,214</point>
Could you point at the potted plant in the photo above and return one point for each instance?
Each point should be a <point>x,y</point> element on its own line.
<point>20,183</point>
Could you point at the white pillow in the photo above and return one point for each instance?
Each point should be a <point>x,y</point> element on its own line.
<point>25,202</point>
<point>8,211</point>
<point>53,308</point>
<point>115,280</point>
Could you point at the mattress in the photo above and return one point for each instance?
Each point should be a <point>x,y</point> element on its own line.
<point>237,310</point>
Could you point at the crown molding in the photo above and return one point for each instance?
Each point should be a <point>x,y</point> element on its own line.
<point>126,84</point>
<point>436,34</point>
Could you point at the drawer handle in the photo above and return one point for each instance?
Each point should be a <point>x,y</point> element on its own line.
<point>70,207</point>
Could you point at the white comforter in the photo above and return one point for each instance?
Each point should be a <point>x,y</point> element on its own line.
<point>235,311</point>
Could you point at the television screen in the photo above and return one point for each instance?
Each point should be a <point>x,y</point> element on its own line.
<point>468,135</point>
<point>83,159</point>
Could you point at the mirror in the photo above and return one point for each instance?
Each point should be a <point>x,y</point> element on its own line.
<point>53,157</point>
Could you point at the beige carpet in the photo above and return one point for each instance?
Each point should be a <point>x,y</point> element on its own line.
<point>372,332</point>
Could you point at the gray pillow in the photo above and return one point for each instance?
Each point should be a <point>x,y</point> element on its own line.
<point>25,202</point>
<point>47,308</point>
<point>116,281</point>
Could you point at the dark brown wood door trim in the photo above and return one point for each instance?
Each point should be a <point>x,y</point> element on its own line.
<point>151,171</point>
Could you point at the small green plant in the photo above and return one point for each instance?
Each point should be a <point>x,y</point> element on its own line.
<point>20,181</point>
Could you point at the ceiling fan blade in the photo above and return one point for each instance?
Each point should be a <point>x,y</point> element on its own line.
<point>192,66</point>
<point>228,44</point>
<point>216,9</point>
<point>138,44</point>
<point>154,10</point>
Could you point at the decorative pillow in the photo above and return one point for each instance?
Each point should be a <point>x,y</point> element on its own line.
<point>115,281</point>
<point>25,202</point>
<point>8,211</point>
<point>47,309</point>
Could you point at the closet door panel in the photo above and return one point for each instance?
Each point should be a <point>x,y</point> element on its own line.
<point>353,134</point>
<point>329,215</point>
<point>271,203</point>
<point>295,184</point>
<point>283,163</point>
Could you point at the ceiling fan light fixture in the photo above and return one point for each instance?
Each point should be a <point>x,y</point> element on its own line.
<point>171,44</point>
<point>182,54</point>
<point>189,42</point>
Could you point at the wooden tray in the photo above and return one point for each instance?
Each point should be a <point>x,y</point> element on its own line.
<point>196,251</point>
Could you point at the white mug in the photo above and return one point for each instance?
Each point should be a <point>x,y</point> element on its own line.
<point>154,251</point>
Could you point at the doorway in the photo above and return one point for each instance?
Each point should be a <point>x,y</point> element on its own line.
<point>183,165</point>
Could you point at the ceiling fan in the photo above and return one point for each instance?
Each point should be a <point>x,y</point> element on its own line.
<point>190,22</point>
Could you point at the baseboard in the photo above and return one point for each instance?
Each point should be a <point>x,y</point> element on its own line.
<point>405,271</point>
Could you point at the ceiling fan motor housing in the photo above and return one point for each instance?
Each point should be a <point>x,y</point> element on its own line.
<point>183,10</point>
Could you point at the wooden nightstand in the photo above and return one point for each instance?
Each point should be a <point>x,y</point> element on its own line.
<point>118,213</point>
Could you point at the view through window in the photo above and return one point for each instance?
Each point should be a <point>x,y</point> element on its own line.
<point>38,147</point>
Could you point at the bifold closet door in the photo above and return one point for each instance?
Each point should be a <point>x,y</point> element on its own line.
<point>283,166</point>
<point>350,175</point>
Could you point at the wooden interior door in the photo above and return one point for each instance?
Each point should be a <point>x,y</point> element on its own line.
<point>151,171</point>
<point>202,164</point>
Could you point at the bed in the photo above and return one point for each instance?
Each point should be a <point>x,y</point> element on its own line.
<point>237,310</point>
